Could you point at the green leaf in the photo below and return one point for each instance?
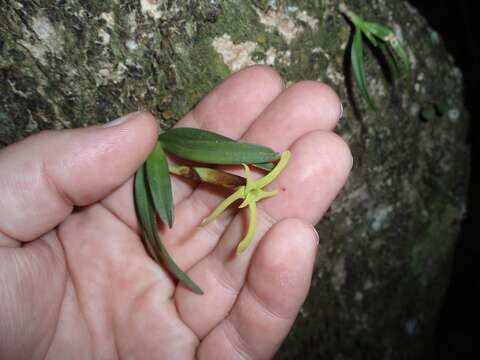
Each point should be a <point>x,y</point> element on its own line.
<point>174,269</point>
<point>391,61</point>
<point>195,134</point>
<point>357,65</point>
<point>401,54</point>
<point>378,30</point>
<point>159,183</point>
<point>141,204</point>
<point>357,21</point>
<point>146,216</point>
<point>388,35</point>
<point>370,37</point>
<point>265,166</point>
<point>211,148</point>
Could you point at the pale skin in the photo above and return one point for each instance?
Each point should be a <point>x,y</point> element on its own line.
<point>75,280</point>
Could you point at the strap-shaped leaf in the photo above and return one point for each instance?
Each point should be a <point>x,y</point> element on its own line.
<point>371,38</point>
<point>146,215</point>
<point>391,60</point>
<point>357,21</point>
<point>141,204</point>
<point>265,166</point>
<point>388,36</point>
<point>194,134</point>
<point>159,183</point>
<point>378,30</point>
<point>211,148</point>
<point>357,66</point>
<point>401,54</point>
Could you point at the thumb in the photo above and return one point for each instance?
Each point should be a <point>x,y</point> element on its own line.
<point>44,176</point>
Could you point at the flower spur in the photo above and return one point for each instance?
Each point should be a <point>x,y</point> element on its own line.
<point>251,192</point>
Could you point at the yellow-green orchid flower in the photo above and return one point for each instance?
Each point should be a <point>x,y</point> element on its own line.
<point>251,192</point>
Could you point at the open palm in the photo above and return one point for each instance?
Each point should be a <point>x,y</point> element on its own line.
<point>82,285</point>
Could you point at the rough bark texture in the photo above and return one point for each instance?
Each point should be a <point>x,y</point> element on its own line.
<point>386,244</point>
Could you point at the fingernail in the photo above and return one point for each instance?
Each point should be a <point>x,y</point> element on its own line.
<point>121,120</point>
<point>317,237</point>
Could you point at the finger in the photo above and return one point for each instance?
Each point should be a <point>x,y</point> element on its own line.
<point>234,104</point>
<point>304,107</point>
<point>44,176</point>
<point>277,284</point>
<point>300,109</point>
<point>229,109</point>
<point>317,170</point>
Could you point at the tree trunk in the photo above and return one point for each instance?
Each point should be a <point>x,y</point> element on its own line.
<point>387,241</point>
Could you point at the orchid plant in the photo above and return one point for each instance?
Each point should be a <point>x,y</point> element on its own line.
<point>379,36</point>
<point>153,190</point>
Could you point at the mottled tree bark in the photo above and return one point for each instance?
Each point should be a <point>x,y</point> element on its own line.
<point>386,243</point>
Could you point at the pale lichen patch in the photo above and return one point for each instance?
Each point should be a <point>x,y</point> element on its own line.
<point>46,39</point>
<point>311,21</point>
<point>284,58</point>
<point>282,22</point>
<point>334,75</point>
<point>320,50</point>
<point>235,56</point>
<point>380,216</point>
<point>453,114</point>
<point>104,37</point>
<point>109,19</point>
<point>111,74</point>
<point>132,45</point>
<point>132,22</point>
<point>377,87</point>
<point>152,8</point>
<point>273,56</point>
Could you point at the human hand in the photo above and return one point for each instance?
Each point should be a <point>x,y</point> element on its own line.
<point>82,285</point>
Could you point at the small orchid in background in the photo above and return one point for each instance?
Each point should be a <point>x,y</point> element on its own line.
<point>153,191</point>
<point>379,36</point>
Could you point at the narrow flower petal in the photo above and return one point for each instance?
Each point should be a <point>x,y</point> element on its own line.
<point>248,176</point>
<point>251,228</point>
<point>267,179</point>
<point>248,199</point>
<point>223,205</point>
<point>265,194</point>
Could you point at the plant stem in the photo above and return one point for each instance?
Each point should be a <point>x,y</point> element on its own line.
<point>207,175</point>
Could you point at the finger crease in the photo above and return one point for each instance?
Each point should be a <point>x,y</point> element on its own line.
<point>117,217</point>
<point>264,306</point>
<point>223,279</point>
<point>236,340</point>
<point>54,188</point>
<point>271,220</point>
<point>216,227</point>
<point>8,237</point>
